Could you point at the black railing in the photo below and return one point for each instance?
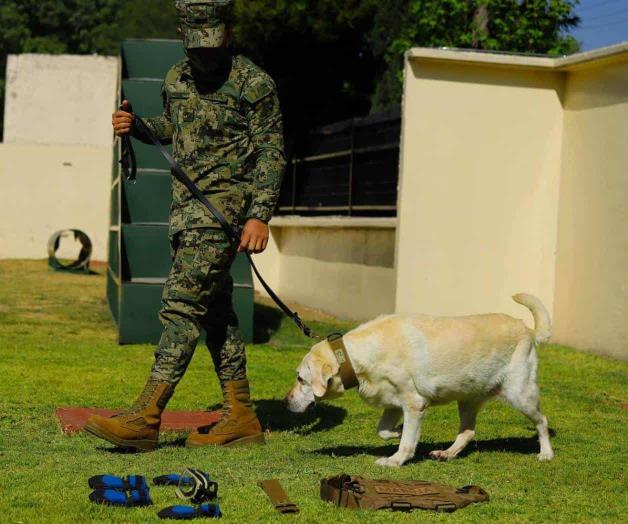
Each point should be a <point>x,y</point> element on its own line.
<point>348,168</point>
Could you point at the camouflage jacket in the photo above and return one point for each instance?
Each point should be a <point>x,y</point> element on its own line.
<point>228,138</point>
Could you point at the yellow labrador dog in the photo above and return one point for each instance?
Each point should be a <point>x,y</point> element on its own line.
<point>407,363</point>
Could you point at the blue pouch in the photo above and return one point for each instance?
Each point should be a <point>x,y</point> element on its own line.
<point>112,497</point>
<point>132,482</point>
<point>209,511</point>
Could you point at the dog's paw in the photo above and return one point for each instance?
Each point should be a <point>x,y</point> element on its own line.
<point>545,456</point>
<point>387,434</point>
<point>441,454</point>
<point>389,462</point>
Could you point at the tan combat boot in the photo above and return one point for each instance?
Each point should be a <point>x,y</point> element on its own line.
<point>239,424</point>
<point>138,427</point>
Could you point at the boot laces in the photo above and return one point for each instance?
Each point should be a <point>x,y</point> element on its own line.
<point>142,401</point>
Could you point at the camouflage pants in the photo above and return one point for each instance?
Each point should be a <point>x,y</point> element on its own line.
<point>198,295</point>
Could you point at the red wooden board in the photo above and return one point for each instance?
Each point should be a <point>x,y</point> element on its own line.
<point>73,420</point>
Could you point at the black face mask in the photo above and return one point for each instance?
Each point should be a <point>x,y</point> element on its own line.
<point>208,62</point>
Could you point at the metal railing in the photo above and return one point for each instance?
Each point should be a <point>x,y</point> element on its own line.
<point>349,168</point>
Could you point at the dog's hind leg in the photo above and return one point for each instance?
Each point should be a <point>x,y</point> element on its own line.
<point>528,403</point>
<point>387,427</point>
<point>413,411</point>
<point>468,412</point>
<point>522,393</point>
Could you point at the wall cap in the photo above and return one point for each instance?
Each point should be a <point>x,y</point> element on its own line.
<point>603,55</point>
<point>335,222</point>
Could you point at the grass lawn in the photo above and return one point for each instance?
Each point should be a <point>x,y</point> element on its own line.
<point>58,348</point>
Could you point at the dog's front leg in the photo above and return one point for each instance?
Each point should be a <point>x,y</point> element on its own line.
<point>412,415</point>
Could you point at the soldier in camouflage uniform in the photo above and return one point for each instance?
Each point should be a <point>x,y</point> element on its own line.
<point>222,116</point>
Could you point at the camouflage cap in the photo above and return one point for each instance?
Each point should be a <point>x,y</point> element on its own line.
<point>204,23</point>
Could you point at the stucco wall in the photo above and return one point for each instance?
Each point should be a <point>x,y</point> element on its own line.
<point>48,188</point>
<point>56,161</point>
<point>60,99</point>
<point>591,309</point>
<point>342,266</point>
<point>478,201</point>
<point>514,177</point>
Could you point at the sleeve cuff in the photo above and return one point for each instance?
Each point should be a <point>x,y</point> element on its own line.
<point>260,213</point>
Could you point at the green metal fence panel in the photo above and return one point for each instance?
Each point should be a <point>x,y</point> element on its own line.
<point>146,251</point>
<point>150,58</point>
<point>139,248</point>
<point>144,95</point>
<point>112,296</point>
<point>148,200</point>
<point>139,306</point>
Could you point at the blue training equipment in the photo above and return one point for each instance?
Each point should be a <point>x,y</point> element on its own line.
<point>209,511</point>
<point>112,497</point>
<point>132,482</point>
<point>172,479</point>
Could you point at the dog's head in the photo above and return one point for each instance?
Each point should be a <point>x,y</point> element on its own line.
<point>317,378</point>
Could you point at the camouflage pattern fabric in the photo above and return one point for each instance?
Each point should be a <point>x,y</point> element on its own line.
<point>197,296</point>
<point>204,23</point>
<point>227,134</point>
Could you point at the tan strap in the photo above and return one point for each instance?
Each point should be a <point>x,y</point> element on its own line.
<point>278,496</point>
<point>347,373</point>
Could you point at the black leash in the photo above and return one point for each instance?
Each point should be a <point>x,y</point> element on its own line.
<point>129,166</point>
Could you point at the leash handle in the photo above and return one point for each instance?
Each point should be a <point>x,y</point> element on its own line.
<point>127,156</point>
<point>182,177</point>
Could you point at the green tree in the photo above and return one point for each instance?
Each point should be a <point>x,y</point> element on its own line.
<point>332,59</point>
<point>78,27</point>
<point>525,26</point>
<point>316,50</point>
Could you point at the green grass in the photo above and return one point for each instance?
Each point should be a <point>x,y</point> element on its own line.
<point>58,348</point>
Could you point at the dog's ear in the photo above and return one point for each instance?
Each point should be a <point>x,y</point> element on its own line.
<point>321,373</point>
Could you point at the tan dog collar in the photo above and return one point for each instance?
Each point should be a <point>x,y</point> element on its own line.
<point>347,373</point>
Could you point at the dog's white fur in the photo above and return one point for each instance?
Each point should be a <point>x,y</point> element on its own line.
<point>407,363</point>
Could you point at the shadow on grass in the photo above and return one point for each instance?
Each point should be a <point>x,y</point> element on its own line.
<point>274,415</point>
<point>266,322</point>
<point>522,445</point>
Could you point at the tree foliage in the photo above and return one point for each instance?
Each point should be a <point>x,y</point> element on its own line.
<point>317,51</point>
<point>526,26</point>
<point>332,59</point>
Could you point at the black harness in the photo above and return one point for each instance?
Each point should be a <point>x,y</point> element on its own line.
<point>129,167</point>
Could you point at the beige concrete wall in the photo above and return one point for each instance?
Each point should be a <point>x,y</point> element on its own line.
<point>591,307</point>
<point>478,204</point>
<point>342,266</point>
<point>48,188</point>
<point>514,177</point>
<point>56,160</point>
<point>60,99</point>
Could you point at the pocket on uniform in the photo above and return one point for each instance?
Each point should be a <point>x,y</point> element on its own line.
<point>180,110</point>
<point>222,113</point>
<point>190,268</point>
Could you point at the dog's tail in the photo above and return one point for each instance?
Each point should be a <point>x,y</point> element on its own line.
<point>542,321</point>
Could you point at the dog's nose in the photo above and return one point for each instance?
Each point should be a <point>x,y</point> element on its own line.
<point>311,406</point>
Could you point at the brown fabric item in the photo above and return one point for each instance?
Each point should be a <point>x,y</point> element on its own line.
<point>239,424</point>
<point>360,493</point>
<point>347,373</point>
<point>278,496</point>
<point>138,427</point>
